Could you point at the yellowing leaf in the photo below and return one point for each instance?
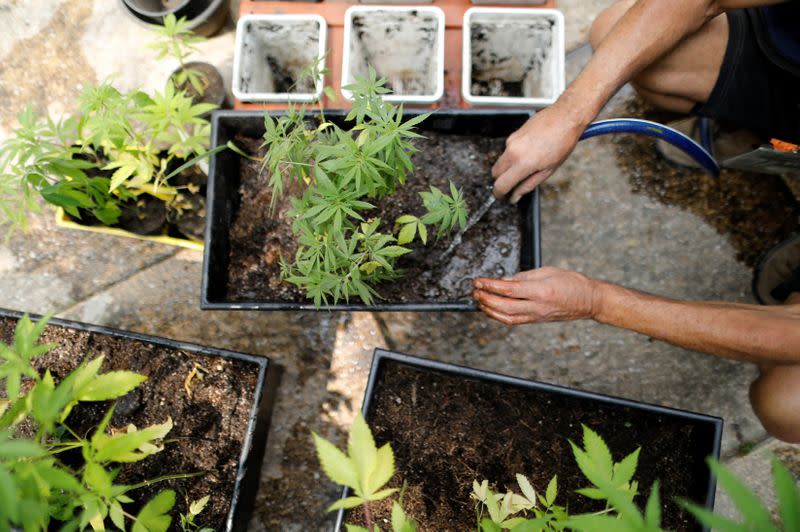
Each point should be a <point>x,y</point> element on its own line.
<point>362,451</point>
<point>336,465</point>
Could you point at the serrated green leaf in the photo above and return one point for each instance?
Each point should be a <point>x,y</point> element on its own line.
<point>625,469</point>
<point>117,516</point>
<point>346,503</point>
<point>336,465</point>
<point>154,516</point>
<point>552,491</point>
<point>652,512</point>
<point>407,233</point>
<point>527,489</point>
<point>197,506</point>
<point>598,453</point>
<point>384,469</point>
<point>362,451</point>
<point>109,386</point>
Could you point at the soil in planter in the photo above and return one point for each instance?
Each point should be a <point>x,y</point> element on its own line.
<point>209,426</point>
<point>447,431</point>
<point>258,237</point>
<point>150,216</point>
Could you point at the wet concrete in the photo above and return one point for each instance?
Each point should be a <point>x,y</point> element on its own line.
<point>612,211</point>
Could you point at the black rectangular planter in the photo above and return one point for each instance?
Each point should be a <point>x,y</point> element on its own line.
<point>254,442</point>
<point>223,198</point>
<point>708,428</point>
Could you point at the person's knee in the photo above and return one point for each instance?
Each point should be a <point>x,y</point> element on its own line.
<point>775,397</point>
<point>606,20</point>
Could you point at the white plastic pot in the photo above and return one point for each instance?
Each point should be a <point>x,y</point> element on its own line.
<point>513,56</point>
<point>271,53</point>
<point>405,45</point>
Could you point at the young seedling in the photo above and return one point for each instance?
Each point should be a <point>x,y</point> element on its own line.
<point>195,508</point>
<point>365,469</point>
<point>37,489</point>
<point>177,41</point>
<point>611,481</point>
<point>344,251</point>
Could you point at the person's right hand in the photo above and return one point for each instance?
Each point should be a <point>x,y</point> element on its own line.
<point>534,152</point>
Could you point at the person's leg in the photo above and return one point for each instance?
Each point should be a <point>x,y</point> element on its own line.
<point>685,76</point>
<point>775,396</point>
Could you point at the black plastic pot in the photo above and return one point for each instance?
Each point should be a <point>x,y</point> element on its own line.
<point>249,469</point>
<point>223,199</point>
<point>706,435</point>
<point>205,16</point>
<point>215,92</point>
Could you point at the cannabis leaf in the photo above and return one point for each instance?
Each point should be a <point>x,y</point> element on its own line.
<point>365,468</point>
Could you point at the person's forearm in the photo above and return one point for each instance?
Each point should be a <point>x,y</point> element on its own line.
<point>752,333</point>
<point>649,29</point>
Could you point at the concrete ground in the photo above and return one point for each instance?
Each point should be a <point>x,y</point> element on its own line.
<point>595,220</point>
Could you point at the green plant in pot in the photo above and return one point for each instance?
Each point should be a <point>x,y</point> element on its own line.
<point>123,159</point>
<point>335,177</point>
<point>201,81</point>
<point>50,475</point>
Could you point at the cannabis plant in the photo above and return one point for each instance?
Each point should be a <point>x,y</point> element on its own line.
<point>754,514</point>
<point>37,488</point>
<point>365,469</point>
<point>610,481</point>
<point>343,249</point>
<point>117,147</point>
<point>176,40</point>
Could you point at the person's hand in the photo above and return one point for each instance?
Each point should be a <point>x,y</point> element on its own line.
<point>542,295</point>
<point>534,152</point>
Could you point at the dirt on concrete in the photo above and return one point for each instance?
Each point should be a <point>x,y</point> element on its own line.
<point>755,211</point>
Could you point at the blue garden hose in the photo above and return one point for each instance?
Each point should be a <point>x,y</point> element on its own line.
<point>654,129</point>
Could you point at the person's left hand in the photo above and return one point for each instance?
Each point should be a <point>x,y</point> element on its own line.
<point>542,295</point>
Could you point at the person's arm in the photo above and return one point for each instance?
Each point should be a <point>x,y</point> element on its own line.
<point>752,333</point>
<point>650,29</point>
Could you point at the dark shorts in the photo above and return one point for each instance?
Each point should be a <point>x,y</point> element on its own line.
<point>752,91</point>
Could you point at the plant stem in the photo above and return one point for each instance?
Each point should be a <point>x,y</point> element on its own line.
<point>368,517</point>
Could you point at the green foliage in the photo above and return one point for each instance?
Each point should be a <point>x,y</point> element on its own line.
<point>754,514</point>
<point>115,148</point>
<point>365,469</point>
<point>611,481</point>
<point>195,508</point>
<point>176,40</point>
<point>343,252</point>
<point>36,488</point>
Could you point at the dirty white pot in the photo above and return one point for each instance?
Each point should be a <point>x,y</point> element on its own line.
<point>512,56</point>
<point>405,45</point>
<point>271,53</point>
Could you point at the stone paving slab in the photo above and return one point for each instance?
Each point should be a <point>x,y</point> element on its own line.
<point>755,470</point>
<point>51,268</point>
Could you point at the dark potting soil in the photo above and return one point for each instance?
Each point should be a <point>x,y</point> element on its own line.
<point>209,427</point>
<point>447,431</point>
<point>756,211</point>
<point>148,215</point>
<point>258,237</point>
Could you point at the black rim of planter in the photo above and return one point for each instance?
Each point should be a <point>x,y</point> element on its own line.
<point>219,206</point>
<point>381,355</point>
<point>248,471</point>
